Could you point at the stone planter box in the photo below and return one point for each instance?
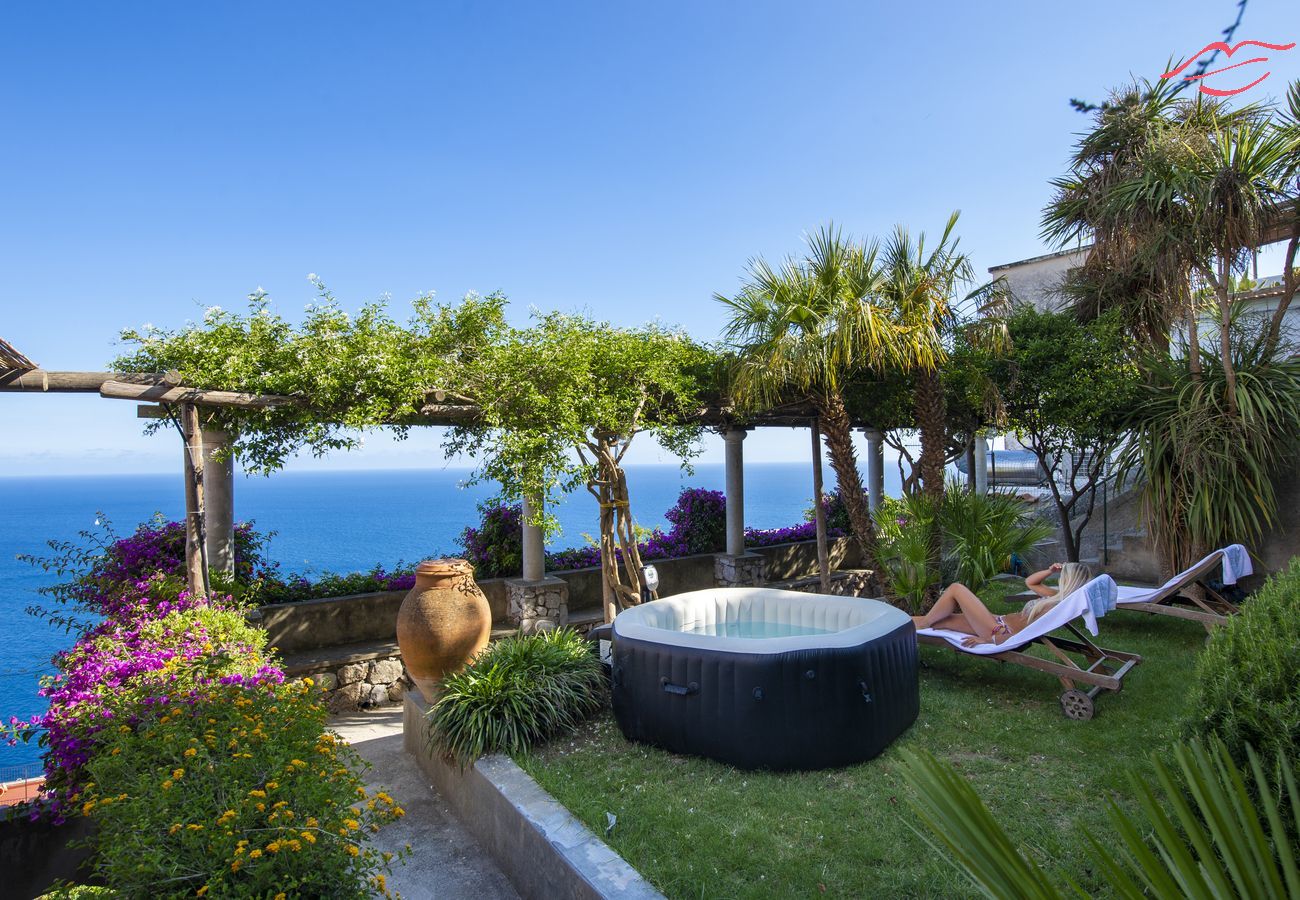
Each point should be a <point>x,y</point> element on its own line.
<point>309,625</point>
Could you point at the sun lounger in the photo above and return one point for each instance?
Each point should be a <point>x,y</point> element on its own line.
<point>1177,598</point>
<point>1101,670</point>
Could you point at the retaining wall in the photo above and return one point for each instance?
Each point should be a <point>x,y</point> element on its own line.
<point>310,625</point>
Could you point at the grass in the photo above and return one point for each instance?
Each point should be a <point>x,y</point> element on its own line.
<point>696,828</point>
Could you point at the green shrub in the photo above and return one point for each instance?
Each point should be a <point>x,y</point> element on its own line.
<point>516,694</point>
<point>237,793</point>
<point>1245,689</point>
<point>978,535</point>
<point>903,555</point>
<point>981,532</point>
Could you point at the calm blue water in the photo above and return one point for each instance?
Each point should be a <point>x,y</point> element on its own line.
<point>754,629</point>
<point>336,521</point>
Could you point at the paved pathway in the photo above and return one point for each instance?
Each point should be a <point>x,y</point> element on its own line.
<point>448,863</point>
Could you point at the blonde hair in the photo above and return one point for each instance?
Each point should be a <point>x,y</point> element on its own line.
<point>1073,576</point>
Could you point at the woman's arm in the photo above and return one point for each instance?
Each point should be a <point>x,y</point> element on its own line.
<point>1035,582</point>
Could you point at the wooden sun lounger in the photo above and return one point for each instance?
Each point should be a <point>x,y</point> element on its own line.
<point>1211,609</point>
<point>1101,669</point>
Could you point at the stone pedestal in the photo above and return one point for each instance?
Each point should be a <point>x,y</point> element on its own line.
<point>537,605</point>
<point>745,570</point>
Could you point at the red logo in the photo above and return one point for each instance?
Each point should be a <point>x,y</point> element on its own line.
<point>1219,46</point>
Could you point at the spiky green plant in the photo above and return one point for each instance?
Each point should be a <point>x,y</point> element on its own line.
<point>1200,834</point>
<point>983,531</point>
<point>517,693</point>
<point>979,533</point>
<point>1208,469</point>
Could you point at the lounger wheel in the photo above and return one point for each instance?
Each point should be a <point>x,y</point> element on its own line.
<point>1077,705</point>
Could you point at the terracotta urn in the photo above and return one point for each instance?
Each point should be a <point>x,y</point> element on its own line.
<point>444,622</point>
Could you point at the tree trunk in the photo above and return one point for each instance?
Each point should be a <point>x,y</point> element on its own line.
<point>930,420</point>
<point>1193,343</point>
<point>1224,288</point>
<point>617,531</point>
<point>834,420</point>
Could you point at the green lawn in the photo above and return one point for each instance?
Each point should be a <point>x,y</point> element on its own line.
<point>697,828</point>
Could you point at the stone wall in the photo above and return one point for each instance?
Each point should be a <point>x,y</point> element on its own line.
<point>311,625</point>
<point>359,681</point>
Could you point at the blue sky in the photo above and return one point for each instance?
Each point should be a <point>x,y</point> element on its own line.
<point>626,158</point>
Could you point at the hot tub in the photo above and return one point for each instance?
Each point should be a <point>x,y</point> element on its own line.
<point>764,678</point>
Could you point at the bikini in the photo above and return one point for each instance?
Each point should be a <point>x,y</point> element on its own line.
<point>1001,626</point>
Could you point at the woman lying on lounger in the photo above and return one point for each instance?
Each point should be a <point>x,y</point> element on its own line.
<point>958,609</point>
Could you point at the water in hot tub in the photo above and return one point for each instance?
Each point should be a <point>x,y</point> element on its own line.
<point>752,629</point>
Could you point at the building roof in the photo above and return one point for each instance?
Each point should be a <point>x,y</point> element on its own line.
<point>1033,259</point>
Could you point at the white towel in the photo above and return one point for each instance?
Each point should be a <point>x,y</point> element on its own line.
<point>1066,610</point>
<point>1236,563</point>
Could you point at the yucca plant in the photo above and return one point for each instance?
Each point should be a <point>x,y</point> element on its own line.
<point>1200,834</point>
<point>1209,467</point>
<point>517,693</point>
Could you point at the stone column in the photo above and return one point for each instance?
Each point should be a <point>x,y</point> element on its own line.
<point>218,502</point>
<point>981,472</point>
<point>735,466</point>
<point>875,466</point>
<point>536,602</point>
<point>735,567</point>
<point>534,552</point>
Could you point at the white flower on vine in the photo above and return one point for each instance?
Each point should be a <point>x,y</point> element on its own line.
<point>312,277</point>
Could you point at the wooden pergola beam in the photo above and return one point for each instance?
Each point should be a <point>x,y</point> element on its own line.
<point>166,393</point>
<point>42,381</point>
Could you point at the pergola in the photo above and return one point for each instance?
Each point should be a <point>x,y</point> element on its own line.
<point>209,472</point>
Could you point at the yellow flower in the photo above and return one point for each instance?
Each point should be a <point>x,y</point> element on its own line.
<point>115,751</point>
<point>280,896</point>
<point>254,854</point>
<point>352,824</point>
<point>194,827</point>
<point>178,773</point>
<point>309,837</point>
<point>311,822</point>
<point>87,807</point>
<point>201,891</point>
<point>256,793</point>
<point>167,785</point>
<point>353,851</point>
<point>384,797</point>
<point>272,785</point>
<point>295,845</point>
<point>190,752</point>
<point>175,828</point>
<point>398,811</point>
<point>234,866</point>
<point>388,856</point>
<point>273,847</point>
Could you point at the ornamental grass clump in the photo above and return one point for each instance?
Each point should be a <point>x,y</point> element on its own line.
<point>236,790</point>
<point>516,694</point>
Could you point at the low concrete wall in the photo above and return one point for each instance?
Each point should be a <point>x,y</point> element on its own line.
<point>537,843</point>
<point>313,624</point>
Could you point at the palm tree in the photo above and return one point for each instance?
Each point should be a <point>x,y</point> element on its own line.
<point>926,293</point>
<point>803,329</point>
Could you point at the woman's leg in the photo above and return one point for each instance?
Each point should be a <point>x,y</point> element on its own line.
<point>956,606</point>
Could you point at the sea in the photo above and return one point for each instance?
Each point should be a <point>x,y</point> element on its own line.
<point>323,521</point>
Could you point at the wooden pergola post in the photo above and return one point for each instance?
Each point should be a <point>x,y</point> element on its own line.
<point>819,511</point>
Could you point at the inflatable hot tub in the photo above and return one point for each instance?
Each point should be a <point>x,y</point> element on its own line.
<point>764,678</point>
